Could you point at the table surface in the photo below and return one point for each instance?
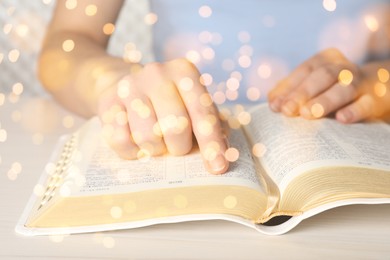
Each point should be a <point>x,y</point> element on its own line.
<point>30,128</point>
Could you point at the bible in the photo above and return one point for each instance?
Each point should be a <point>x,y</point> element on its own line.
<point>282,171</point>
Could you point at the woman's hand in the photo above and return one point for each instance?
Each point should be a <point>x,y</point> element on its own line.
<point>329,83</point>
<point>158,108</point>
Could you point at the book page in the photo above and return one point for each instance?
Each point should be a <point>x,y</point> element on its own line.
<point>106,173</point>
<point>295,145</point>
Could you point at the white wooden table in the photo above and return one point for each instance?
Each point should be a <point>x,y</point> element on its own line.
<point>33,127</point>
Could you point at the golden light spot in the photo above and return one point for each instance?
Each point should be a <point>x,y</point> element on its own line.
<point>317,110</point>
<point>116,212</point>
<point>383,75</point>
<point>39,190</point>
<point>46,2</point>
<point>133,56</point>
<point>205,11</point>
<point>12,175</point>
<point>259,150</point>
<point>130,46</point>
<point>210,153</point>
<point>108,242</point>
<point>142,110</point>
<point>230,202</point>
<point>206,79</point>
<point>68,45</point>
<point>150,18</point>
<point>231,94</point>
<point>205,100</point>
<point>129,207</point>
<point>37,138</point>
<point>193,56</point>
<point>22,30</point>
<point>17,88</point>
<point>380,89</point>
<point>144,155</point>
<point>13,55</point>
<point>56,238</point>
<point>2,99</point>
<point>264,71</point>
<point>233,122</point>
<point>204,127</point>
<point>108,28</point>
<point>345,77</point>
<point>219,97</point>
<point>371,23</point>
<point>182,124</point>
<point>208,53</point>
<point>121,118</point>
<point>16,167</point>
<point>157,130</point>
<point>253,94</point>
<point>173,124</point>
<point>123,90</point>
<point>91,10</point>
<point>167,123</point>
<point>232,84</point>
<point>329,5</point>
<point>7,28</point>
<point>244,118</point>
<point>244,37</point>
<point>244,61</point>
<point>68,121</point>
<point>71,4</point>
<point>232,154</point>
<point>186,84</point>
<point>180,202</point>
<point>3,135</point>
<point>14,171</point>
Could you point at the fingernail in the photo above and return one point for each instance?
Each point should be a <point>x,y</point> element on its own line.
<point>290,108</point>
<point>218,164</point>
<point>344,116</point>
<point>275,104</point>
<point>305,112</point>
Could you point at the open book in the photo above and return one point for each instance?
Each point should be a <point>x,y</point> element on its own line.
<point>288,169</point>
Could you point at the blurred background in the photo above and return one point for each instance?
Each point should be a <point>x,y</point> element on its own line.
<point>22,28</point>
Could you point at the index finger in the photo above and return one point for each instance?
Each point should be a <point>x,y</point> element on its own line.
<point>203,115</point>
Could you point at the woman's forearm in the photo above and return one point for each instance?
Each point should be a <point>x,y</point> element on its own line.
<point>75,69</point>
